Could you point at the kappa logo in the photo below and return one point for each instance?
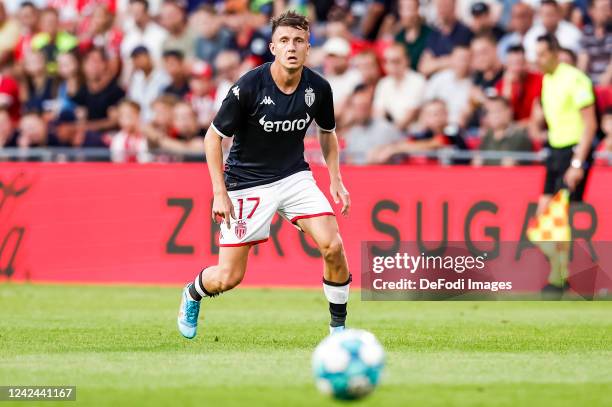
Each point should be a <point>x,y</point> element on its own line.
<point>284,125</point>
<point>236,91</point>
<point>267,101</point>
<point>240,229</point>
<point>309,96</point>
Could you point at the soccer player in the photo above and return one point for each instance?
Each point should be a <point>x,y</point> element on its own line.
<point>268,111</point>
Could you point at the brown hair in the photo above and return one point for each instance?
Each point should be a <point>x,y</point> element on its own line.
<point>499,99</point>
<point>166,99</point>
<point>551,41</point>
<point>290,19</point>
<point>129,103</point>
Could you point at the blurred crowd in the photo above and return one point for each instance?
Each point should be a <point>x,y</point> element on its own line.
<point>139,77</point>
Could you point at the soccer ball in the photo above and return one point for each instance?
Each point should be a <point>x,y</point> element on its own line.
<point>348,364</point>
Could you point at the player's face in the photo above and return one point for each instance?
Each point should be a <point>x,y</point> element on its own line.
<point>290,47</point>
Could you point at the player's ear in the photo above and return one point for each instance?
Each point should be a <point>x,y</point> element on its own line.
<point>272,48</point>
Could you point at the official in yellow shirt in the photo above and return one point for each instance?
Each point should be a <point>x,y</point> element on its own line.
<point>568,104</point>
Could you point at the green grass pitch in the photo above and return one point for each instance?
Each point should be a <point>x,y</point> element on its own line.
<point>119,346</point>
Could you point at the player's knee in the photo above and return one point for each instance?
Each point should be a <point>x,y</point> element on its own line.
<point>333,251</point>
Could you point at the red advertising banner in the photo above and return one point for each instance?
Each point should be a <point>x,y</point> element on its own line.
<point>130,223</point>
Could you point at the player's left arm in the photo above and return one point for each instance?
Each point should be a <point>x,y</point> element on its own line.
<point>574,174</point>
<point>583,98</point>
<point>331,154</point>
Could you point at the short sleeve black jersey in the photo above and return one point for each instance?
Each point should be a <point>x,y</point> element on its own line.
<point>269,126</point>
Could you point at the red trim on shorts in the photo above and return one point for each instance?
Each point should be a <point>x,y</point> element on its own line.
<point>244,243</point>
<point>314,215</point>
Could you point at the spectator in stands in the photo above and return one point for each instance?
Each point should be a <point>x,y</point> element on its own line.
<point>39,89</point>
<point>70,80</point>
<point>211,36</point>
<point>501,134</point>
<point>572,11</point>
<point>69,12</point>
<point>435,133</point>
<point>189,136</point>
<point>174,65</point>
<point>568,56</point>
<point>51,40</point>
<point>400,93</point>
<point>521,21</point>
<point>32,131</point>
<point>323,9</point>
<point>9,35</point>
<point>453,85</point>
<point>519,85</point>
<point>338,25</point>
<point>147,82</point>
<point>173,17</point>
<point>449,32</point>
<point>483,22</point>
<point>130,143</point>
<point>8,136</point>
<point>414,32</point>
<point>606,127</point>
<point>366,62</point>
<point>488,71</point>
<point>201,94</point>
<point>596,54</point>
<point>250,40</point>
<point>162,108</point>
<point>101,32</point>
<point>496,10</point>
<point>69,133</point>
<point>186,124</point>
<point>262,10</point>
<point>100,93</point>
<point>365,132</point>
<point>342,78</point>
<point>227,68</point>
<point>9,95</point>
<point>28,16</point>
<point>144,31</point>
<point>374,18</point>
<point>551,22</point>
<point>87,9</point>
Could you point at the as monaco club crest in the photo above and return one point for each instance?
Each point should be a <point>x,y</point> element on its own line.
<point>240,229</point>
<point>309,96</point>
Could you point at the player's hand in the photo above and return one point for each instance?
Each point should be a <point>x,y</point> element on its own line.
<point>223,209</point>
<point>573,176</point>
<point>339,193</point>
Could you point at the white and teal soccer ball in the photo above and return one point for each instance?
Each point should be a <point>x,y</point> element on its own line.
<point>347,365</point>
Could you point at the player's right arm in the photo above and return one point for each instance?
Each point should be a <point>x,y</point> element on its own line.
<point>222,204</point>
<point>224,125</point>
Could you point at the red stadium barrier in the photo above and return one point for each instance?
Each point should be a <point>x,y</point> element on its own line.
<point>106,223</point>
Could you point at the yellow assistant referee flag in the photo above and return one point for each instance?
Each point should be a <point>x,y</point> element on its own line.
<point>552,225</point>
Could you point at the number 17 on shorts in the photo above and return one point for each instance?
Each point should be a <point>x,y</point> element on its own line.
<point>294,197</point>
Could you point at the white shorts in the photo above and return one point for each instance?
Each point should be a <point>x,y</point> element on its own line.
<point>294,197</point>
